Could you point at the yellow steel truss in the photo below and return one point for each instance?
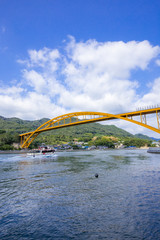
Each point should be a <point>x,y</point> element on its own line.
<point>78,118</point>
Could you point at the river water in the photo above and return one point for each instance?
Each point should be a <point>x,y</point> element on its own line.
<point>60,197</point>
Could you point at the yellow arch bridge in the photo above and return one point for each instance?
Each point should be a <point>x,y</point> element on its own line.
<point>78,118</point>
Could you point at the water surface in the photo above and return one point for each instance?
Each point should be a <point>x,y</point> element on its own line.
<point>60,198</point>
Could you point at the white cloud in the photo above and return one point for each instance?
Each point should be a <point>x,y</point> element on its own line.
<point>11,91</point>
<point>89,76</point>
<point>115,58</point>
<point>100,73</point>
<point>153,97</point>
<point>33,106</point>
<point>35,80</point>
<point>44,58</point>
<point>46,55</point>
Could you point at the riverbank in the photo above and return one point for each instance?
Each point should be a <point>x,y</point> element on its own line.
<point>24,151</point>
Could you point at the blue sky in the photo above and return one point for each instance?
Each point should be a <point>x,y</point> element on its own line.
<point>70,55</point>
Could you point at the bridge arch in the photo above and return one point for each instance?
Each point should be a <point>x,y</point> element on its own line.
<point>77,118</point>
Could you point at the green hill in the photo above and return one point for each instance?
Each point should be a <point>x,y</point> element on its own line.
<point>139,135</point>
<point>21,126</point>
<point>10,128</point>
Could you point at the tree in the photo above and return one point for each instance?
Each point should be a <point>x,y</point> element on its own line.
<point>137,142</point>
<point>103,141</point>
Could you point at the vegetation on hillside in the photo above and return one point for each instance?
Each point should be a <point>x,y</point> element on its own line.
<point>137,142</point>
<point>93,134</point>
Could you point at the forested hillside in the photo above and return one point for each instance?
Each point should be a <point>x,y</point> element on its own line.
<point>10,128</point>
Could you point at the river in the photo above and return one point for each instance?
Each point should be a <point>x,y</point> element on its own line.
<point>60,197</point>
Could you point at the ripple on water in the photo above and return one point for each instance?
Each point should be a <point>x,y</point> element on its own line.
<point>60,198</point>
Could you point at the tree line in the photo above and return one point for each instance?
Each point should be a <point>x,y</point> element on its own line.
<point>7,138</point>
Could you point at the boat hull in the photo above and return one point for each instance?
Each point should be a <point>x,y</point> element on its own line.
<point>154,150</point>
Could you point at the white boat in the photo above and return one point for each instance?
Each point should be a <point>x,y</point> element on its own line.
<point>154,150</point>
<point>45,151</point>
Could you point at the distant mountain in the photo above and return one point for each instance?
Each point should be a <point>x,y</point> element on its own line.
<point>142,136</point>
<point>139,135</point>
<point>155,139</point>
